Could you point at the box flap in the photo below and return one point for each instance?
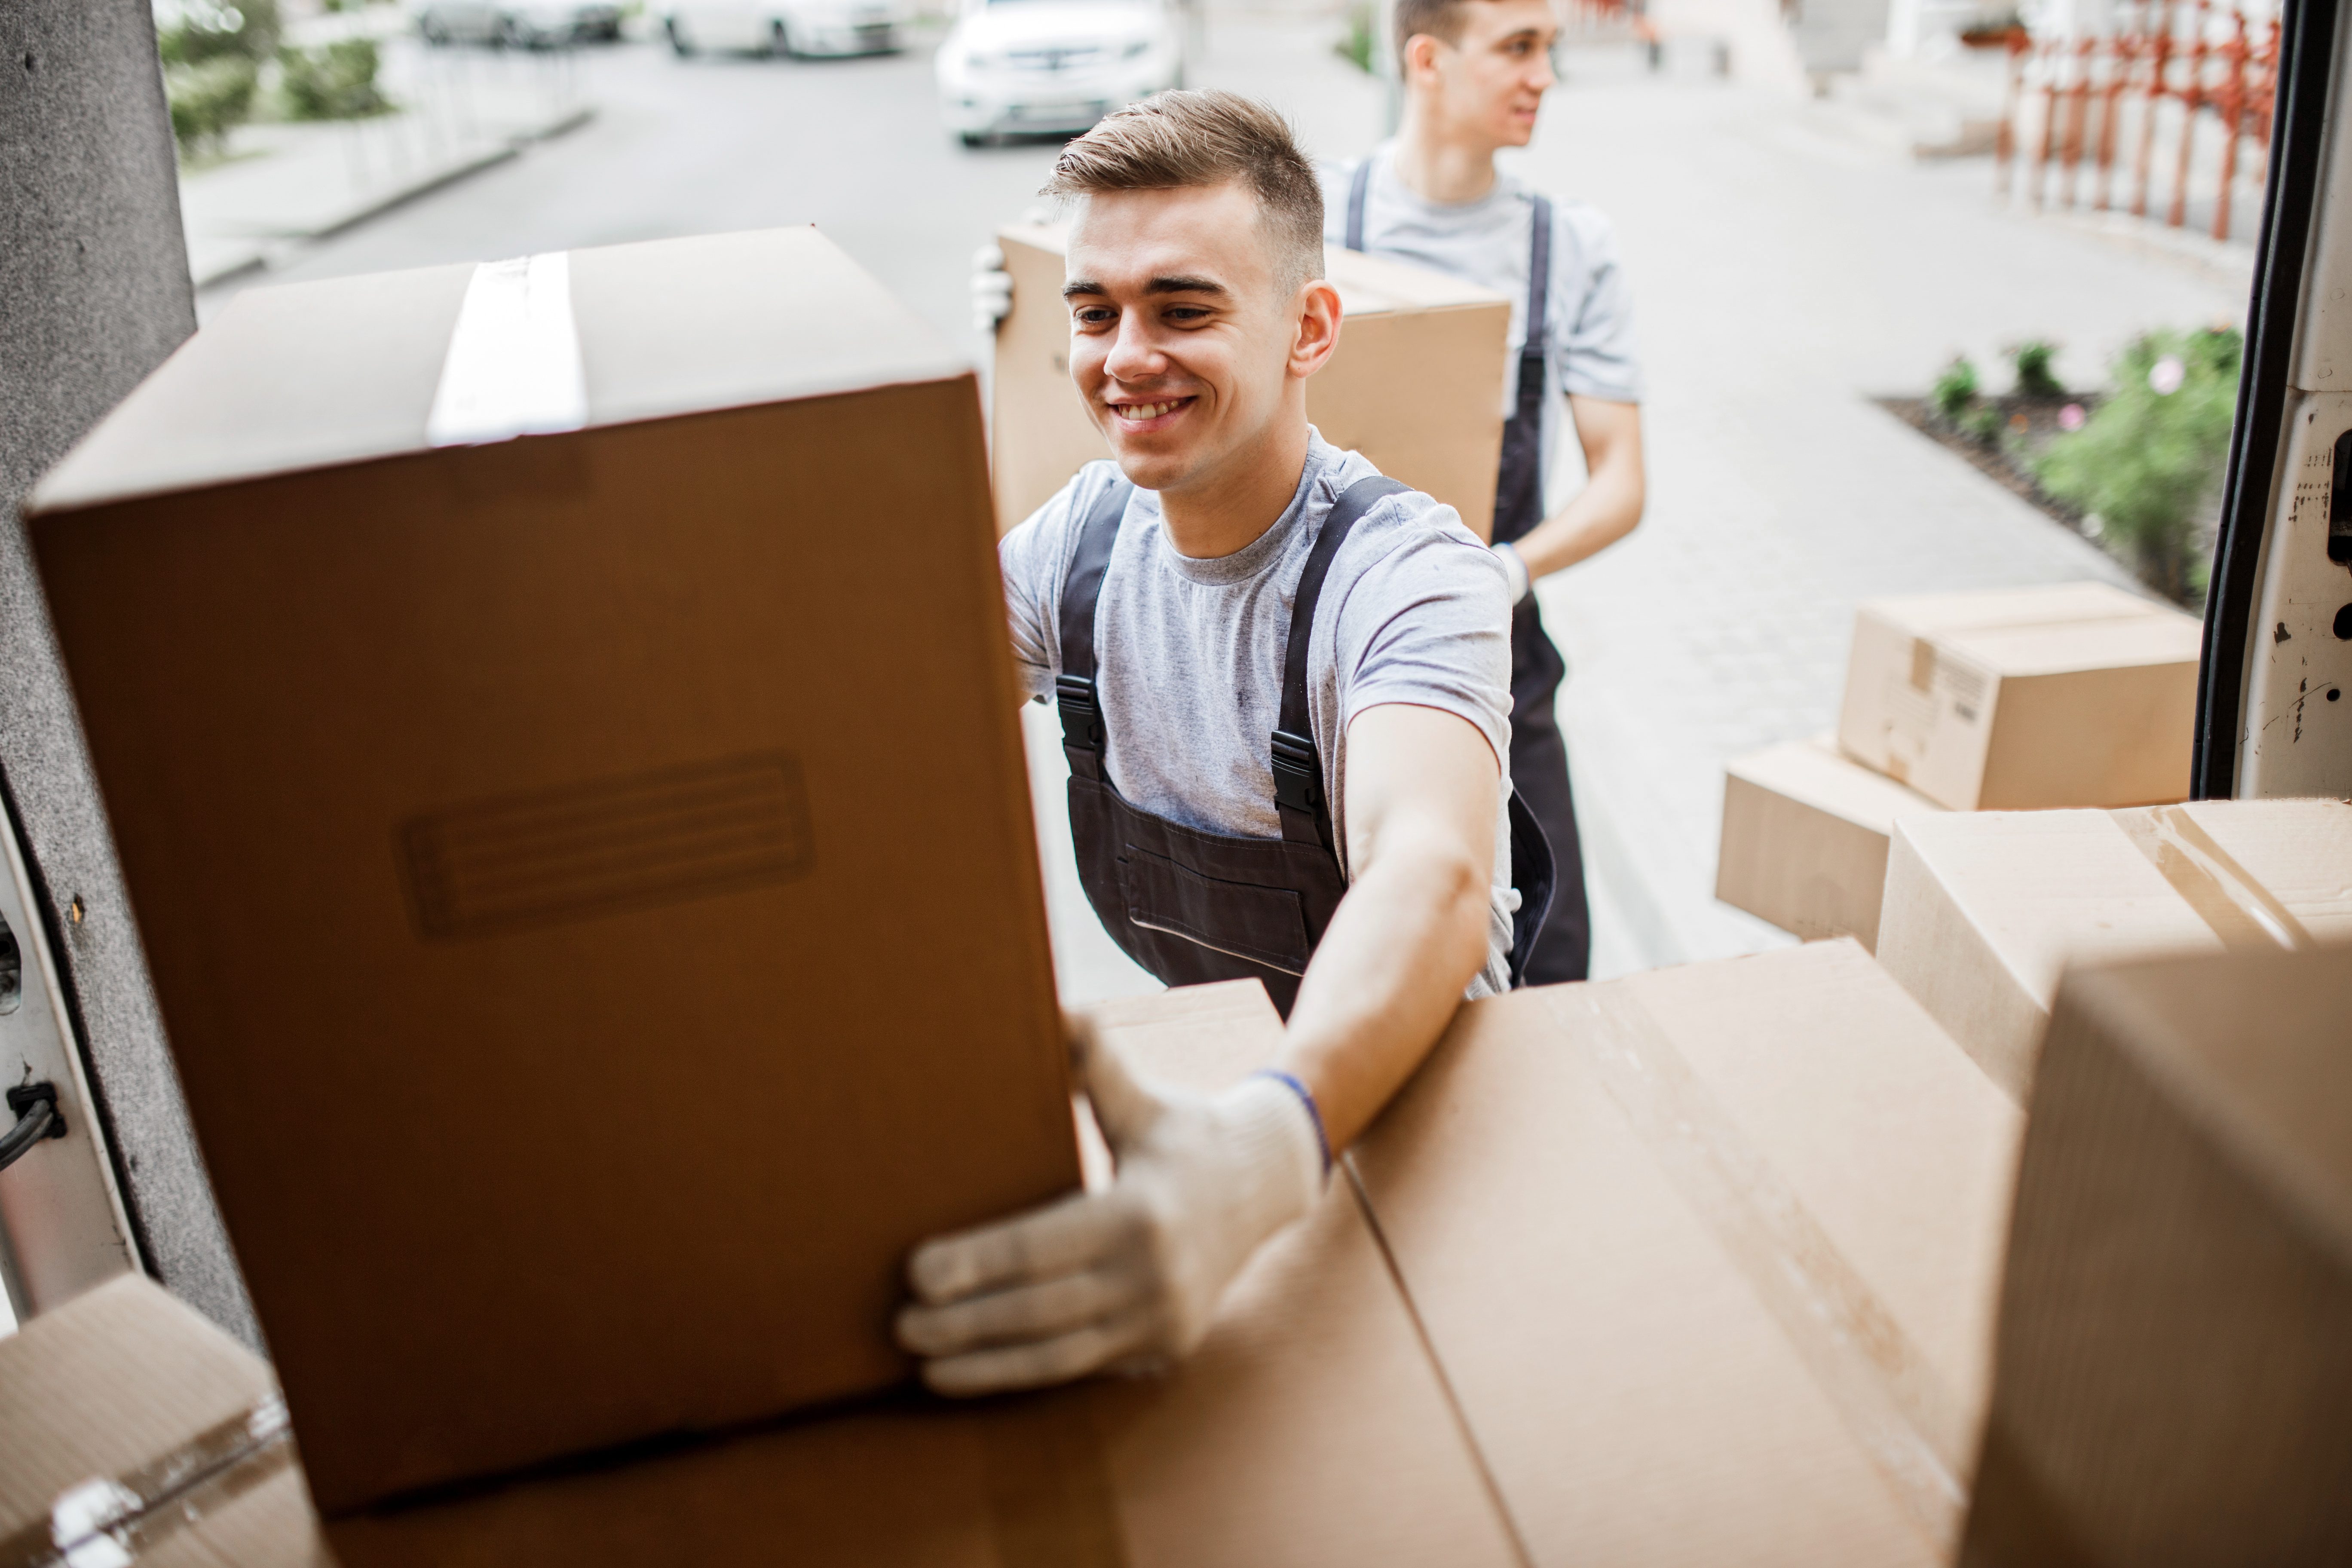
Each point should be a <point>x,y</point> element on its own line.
<point>2063,647</point>
<point>1934,615</point>
<point>309,375</point>
<point>1816,773</point>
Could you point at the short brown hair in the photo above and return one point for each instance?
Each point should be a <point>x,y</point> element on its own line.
<point>1441,19</point>
<point>1173,141</point>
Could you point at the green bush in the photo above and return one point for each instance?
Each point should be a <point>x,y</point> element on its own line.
<point>203,30</point>
<point>2148,462</point>
<point>2032,360</point>
<point>209,100</point>
<point>337,82</point>
<point>1361,43</point>
<point>1954,390</point>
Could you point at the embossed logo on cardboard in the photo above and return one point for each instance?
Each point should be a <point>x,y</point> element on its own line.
<point>613,844</point>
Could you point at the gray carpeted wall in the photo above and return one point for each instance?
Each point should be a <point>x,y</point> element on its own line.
<point>93,294</point>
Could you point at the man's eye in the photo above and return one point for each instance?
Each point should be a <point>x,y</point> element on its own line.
<point>1187,313</point>
<point>1094,315</point>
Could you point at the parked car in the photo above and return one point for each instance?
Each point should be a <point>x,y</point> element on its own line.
<point>796,28</point>
<point>1054,66</point>
<point>521,24</point>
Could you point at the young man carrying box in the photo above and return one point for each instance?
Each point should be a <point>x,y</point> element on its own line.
<point>1284,683</point>
<point>1475,74</point>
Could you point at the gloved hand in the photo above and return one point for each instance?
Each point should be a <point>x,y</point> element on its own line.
<point>1127,1277</point>
<point>1516,569</point>
<point>991,288</point>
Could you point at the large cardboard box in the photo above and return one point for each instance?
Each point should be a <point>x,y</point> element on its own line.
<point>1708,1255</point>
<point>1804,838</point>
<point>2174,1381</point>
<point>1985,912</point>
<point>2075,695</point>
<point>1416,385</point>
<point>1311,1430</point>
<point>524,833</point>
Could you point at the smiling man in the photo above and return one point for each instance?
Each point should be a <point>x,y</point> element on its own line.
<point>1284,685</point>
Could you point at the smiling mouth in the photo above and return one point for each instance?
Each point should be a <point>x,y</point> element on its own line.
<point>1143,413</point>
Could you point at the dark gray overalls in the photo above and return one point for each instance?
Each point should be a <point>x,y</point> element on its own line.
<point>1563,949</point>
<point>1191,906</point>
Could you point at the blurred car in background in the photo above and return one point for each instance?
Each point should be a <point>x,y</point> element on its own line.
<point>522,24</point>
<point>796,28</point>
<point>1019,67</point>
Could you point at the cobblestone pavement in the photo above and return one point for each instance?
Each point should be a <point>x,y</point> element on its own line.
<point>1781,276</point>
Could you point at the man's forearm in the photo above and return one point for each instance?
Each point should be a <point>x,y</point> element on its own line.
<point>1386,979</point>
<point>1601,514</point>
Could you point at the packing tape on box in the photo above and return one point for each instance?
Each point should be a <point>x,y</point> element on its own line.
<point>1050,1500</point>
<point>513,363</point>
<point>1889,1397</point>
<point>2227,897</point>
<point>109,1522</point>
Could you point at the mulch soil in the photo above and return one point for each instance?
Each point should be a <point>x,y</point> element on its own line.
<point>2027,425</point>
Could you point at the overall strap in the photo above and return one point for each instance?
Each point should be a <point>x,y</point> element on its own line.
<point>1357,189</point>
<point>1538,279</point>
<point>1298,795</point>
<point>1083,732</point>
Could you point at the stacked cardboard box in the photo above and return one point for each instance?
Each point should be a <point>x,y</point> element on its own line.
<point>1984,912</point>
<point>1310,1429</point>
<point>2174,1382</point>
<point>1416,383</point>
<point>2076,695</point>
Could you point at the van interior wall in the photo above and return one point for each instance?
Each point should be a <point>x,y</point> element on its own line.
<point>94,293</point>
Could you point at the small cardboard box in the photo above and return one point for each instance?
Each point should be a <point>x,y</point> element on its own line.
<point>1416,383</point>
<point>2076,695</point>
<point>1310,1430</point>
<point>2174,1381</point>
<point>1708,1257</point>
<point>1804,838</point>
<point>1984,912</point>
<point>132,1430</point>
<point>523,831</point>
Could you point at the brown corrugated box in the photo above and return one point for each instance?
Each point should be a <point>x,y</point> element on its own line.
<point>2174,1381</point>
<point>133,1429</point>
<point>1804,838</point>
<point>1708,1257</point>
<point>1416,385</point>
<point>522,835</point>
<point>2074,695</point>
<point>1984,912</point>
<point>1311,1430</point>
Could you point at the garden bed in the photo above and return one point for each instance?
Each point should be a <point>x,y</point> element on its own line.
<point>2026,426</point>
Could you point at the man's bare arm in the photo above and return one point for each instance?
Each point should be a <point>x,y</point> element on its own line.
<point>1606,509</point>
<point>1412,931</point>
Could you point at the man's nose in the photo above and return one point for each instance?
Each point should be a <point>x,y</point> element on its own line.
<point>1133,355</point>
<point>1543,77</point>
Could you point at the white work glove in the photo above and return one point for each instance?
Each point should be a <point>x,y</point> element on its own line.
<point>1127,1278</point>
<point>1517,570</point>
<point>991,288</point>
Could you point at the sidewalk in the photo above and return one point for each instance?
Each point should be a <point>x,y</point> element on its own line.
<point>1781,276</point>
<point>461,109</point>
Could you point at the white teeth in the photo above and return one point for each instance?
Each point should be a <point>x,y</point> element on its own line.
<point>1144,410</point>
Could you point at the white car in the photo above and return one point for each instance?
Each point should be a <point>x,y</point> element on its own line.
<point>519,24</point>
<point>1058,65</point>
<point>798,27</point>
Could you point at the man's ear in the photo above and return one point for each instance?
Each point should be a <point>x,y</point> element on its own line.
<point>1317,332</point>
<point>1419,56</point>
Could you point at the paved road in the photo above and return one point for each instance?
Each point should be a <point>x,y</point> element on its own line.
<point>1782,273</point>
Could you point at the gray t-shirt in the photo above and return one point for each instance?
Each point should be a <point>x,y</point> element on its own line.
<point>1188,652</point>
<point>1587,314</point>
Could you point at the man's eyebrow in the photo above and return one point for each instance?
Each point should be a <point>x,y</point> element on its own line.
<point>1076,287</point>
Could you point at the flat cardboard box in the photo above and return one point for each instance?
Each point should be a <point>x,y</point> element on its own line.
<point>1984,912</point>
<point>2018,699</point>
<point>179,1427</point>
<point>1804,838</point>
<point>1311,1430</point>
<point>1708,1257</point>
<point>1416,383</point>
<point>2174,1381</point>
<point>523,835</point>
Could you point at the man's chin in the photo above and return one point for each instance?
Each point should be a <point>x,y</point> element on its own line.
<point>1152,471</point>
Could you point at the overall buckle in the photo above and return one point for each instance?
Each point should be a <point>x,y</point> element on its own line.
<point>1083,732</point>
<point>1297,773</point>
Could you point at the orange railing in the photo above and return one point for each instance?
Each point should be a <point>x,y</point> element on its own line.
<point>2184,71</point>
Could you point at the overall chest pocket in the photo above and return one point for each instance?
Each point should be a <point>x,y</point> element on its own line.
<point>1263,924</point>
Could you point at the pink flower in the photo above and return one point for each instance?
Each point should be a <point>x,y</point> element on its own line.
<point>2070,417</point>
<point>2164,376</point>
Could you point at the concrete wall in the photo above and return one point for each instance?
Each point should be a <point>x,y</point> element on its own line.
<point>93,294</point>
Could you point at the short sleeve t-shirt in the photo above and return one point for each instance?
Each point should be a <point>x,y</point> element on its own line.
<point>1188,652</point>
<point>1588,316</point>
